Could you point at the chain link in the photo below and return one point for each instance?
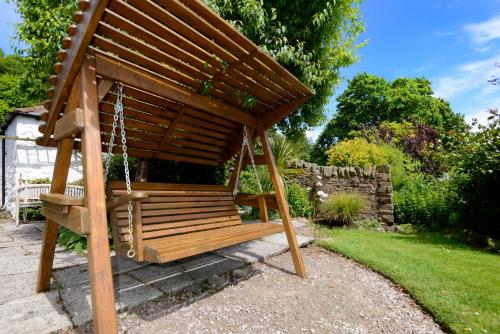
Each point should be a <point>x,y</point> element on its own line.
<point>119,117</point>
<point>246,143</point>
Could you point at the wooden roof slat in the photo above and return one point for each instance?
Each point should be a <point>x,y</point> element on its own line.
<point>217,21</point>
<point>215,34</point>
<point>174,56</point>
<point>197,145</point>
<point>74,57</point>
<point>131,13</point>
<point>156,101</point>
<point>145,62</point>
<point>128,11</point>
<point>134,133</point>
<point>165,60</point>
<point>227,82</point>
<point>135,76</point>
<point>163,52</point>
<point>160,14</point>
<point>137,115</point>
<point>166,136</point>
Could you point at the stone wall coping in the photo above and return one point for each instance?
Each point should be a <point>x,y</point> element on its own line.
<point>341,172</point>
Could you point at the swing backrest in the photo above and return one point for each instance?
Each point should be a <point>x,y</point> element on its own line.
<point>173,209</point>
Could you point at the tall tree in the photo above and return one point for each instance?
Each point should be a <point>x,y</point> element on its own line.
<point>42,27</point>
<point>370,100</point>
<point>11,94</point>
<point>312,39</point>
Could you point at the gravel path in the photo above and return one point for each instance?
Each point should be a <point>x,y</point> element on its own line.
<point>340,296</point>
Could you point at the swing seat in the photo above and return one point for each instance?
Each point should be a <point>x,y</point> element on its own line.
<point>173,221</point>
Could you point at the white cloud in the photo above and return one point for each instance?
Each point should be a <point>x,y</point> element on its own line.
<point>480,111</point>
<point>469,76</point>
<point>313,134</point>
<point>484,32</point>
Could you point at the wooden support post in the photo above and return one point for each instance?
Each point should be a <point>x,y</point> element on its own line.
<point>101,279</point>
<point>58,186</point>
<point>282,205</point>
<point>137,222</point>
<point>263,210</point>
<point>59,178</point>
<point>141,175</point>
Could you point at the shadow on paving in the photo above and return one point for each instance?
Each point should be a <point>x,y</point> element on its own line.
<point>180,284</point>
<point>179,281</point>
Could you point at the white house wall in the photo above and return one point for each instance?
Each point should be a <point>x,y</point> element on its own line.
<point>29,161</point>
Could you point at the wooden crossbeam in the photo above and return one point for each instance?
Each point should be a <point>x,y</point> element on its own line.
<point>69,125</point>
<point>278,114</point>
<point>133,75</point>
<point>166,136</point>
<point>103,88</point>
<point>75,220</point>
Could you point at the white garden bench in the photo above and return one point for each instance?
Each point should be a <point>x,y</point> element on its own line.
<point>28,196</point>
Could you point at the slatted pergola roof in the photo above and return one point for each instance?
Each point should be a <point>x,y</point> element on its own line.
<point>185,71</point>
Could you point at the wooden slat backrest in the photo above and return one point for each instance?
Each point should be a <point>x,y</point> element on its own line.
<point>174,209</point>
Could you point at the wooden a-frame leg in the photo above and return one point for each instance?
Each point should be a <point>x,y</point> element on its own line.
<point>59,178</point>
<point>282,205</point>
<point>101,279</point>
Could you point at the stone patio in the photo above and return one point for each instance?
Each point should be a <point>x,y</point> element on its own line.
<point>68,304</point>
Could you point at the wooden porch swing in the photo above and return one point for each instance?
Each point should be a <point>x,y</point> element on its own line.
<point>167,79</point>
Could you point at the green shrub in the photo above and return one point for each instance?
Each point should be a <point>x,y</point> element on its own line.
<point>406,229</point>
<point>32,214</point>
<point>427,203</point>
<point>367,224</point>
<point>71,241</point>
<point>298,201</point>
<point>356,152</point>
<point>43,180</point>
<point>359,152</point>
<point>342,207</point>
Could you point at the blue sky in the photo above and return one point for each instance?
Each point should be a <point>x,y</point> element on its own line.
<point>454,43</point>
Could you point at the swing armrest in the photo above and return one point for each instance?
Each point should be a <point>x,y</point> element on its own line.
<point>269,194</point>
<point>122,200</point>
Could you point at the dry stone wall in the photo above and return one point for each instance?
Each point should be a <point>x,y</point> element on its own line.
<point>372,182</point>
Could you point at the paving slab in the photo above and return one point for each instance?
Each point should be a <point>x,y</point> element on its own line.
<point>280,238</point>
<point>17,286</point>
<point>135,282</point>
<point>165,277</point>
<point>41,313</point>
<point>129,292</point>
<point>252,251</point>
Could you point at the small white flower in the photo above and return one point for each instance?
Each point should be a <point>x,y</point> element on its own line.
<point>322,194</point>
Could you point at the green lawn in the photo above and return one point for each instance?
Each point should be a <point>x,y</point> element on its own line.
<point>460,286</point>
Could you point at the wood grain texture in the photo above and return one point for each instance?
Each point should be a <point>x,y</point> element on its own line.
<point>67,74</point>
<point>69,125</point>
<point>283,205</point>
<point>101,279</point>
<point>59,179</point>
<point>75,220</point>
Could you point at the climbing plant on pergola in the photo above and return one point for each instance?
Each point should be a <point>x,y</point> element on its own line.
<point>191,87</point>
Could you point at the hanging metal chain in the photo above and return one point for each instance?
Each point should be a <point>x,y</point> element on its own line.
<point>119,117</point>
<point>246,143</point>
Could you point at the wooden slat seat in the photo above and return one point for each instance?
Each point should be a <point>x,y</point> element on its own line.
<point>173,221</point>
<point>183,245</point>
